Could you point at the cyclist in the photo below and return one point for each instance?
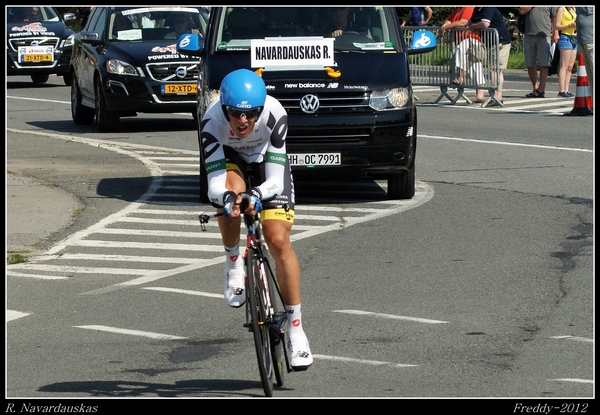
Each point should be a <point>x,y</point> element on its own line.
<point>247,127</point>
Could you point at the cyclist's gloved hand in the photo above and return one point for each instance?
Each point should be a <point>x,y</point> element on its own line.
<point>253,196</point>
<point>229,199</point>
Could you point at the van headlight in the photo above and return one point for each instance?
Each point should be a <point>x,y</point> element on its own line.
<point>389,99</point>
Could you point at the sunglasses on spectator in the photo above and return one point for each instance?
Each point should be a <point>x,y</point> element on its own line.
<point>237,113</point>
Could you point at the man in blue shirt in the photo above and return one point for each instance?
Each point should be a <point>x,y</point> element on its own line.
<point>490,17</point>
<point>418,16</point>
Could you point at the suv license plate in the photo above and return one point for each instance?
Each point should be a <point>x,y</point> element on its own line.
<point>37,58</point>
<point>179,89</point>
<point>315,159</point>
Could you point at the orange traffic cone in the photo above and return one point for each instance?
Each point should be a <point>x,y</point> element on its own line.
<point>583,100</point>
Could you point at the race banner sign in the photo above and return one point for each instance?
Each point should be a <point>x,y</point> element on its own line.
<point>292,53</point>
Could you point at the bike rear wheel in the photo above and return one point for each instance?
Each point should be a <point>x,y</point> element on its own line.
<point>258,316</point>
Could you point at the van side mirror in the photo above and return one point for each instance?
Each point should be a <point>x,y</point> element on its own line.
<point>423,41</point>
<point>190,44</point>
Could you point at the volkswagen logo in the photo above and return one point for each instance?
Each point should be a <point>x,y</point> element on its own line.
<point>309,104</point>
<point>181,72</point>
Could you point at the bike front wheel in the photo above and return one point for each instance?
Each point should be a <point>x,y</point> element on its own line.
<point>257,306</point>
<point>278,326</point>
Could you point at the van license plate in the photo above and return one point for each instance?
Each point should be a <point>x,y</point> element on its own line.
<point>315,159</point>
<point>179,88</point>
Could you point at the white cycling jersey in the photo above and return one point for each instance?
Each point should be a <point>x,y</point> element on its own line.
<point>266,144</point>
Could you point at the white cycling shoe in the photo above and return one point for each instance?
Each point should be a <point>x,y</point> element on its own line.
<point>234,293</point>
<point>300,355</point>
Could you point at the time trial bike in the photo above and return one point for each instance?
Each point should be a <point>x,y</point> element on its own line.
<point>266,317</point>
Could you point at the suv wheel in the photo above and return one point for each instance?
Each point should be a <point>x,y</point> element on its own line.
<point>106,121</point>
<point>40,79</point>
<point>402,185</point>
<point>81,114</point>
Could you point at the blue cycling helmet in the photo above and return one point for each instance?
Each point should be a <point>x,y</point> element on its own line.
<point>243,89</point>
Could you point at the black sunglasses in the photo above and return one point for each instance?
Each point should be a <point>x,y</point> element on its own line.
<point>237,113</point>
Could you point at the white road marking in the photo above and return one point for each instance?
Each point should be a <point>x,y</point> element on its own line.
<point>180,291</point>
<point>41,277</point>
<point>128,258</point>
<point>506,143</point>
<point>363,361</point>
<point>148,334</point>
<point>572,380</point>
<point>342,218</point>
<point>157,275</point>
<point>574,338</point>
<point>13,315</point>
<point>390,316</point>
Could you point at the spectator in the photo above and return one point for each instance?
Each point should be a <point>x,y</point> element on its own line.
<point>84,12</point>
<point>181,22</point>
<point>539,26</point>
<point>490,17</point>
<point>418,16</point>
<point>567,47</point>
<point>460,18</point>
<point>585,41</point>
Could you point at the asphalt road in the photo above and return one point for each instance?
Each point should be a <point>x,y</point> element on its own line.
<point>480,287</point>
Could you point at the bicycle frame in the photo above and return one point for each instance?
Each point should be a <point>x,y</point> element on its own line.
<point>272,353</point>
<point>275,320</point>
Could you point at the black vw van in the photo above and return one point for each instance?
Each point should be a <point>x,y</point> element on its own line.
<point>349,97</point>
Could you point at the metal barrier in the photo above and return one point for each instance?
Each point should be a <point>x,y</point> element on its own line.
<point>443,65</point>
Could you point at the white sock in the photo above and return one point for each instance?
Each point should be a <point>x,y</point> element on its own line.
<point>295,324</point>
<point>232,254</point>
<point>234,266</point>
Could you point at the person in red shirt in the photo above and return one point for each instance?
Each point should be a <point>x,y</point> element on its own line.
<point>460,18</point>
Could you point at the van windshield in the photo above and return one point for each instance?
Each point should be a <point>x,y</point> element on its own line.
<point>356,29</point>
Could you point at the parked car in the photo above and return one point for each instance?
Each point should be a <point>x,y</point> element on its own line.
<point>38,43</point>
<point>349,98</point>
<point>125,62</point>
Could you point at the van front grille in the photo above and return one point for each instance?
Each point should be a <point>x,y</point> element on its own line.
<point>329,102</point>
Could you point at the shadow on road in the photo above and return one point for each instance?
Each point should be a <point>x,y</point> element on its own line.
<point>181,389</point>
<point>170,192</point>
